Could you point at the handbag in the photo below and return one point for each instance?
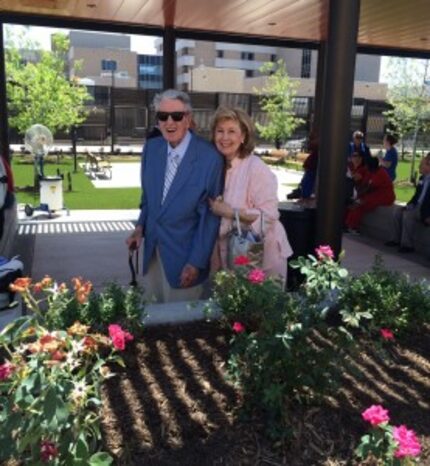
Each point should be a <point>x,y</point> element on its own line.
<point>245,242</point>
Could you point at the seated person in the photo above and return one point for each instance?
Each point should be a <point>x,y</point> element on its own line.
<point>390,159</point>
<point>358,145</point>
<point>416,210</point>
<point>306,187</point>
<point>355,177</point>
<point>376,190</point>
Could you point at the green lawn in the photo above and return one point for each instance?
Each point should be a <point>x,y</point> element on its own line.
<point>83,195</point>
<point>404,189</point>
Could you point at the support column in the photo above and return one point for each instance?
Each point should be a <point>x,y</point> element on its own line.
<point>336,119</point>
<point>169,58</point>
<point>319,87</point>
<point>4,127</point>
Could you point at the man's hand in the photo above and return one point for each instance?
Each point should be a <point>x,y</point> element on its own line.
<point>189,276</point>
<point>221,208</point>
<point>135,239</point>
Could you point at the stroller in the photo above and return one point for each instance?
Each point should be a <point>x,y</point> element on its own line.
<point>10,270</point>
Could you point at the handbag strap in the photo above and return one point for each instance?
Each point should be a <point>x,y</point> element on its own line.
<point>236,217</point>
<point>262,222</point>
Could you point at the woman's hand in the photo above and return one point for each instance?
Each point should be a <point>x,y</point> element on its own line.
<point>220,207</point>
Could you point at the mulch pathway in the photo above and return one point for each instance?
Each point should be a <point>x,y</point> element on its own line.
<point>172,405</point>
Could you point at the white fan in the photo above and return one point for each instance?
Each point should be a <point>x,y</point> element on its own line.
<point>38,139</point>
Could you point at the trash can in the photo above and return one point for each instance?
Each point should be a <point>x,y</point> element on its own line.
<point>51,192</point>
<point>299,223</point>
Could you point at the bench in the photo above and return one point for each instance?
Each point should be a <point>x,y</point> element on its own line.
<point>378,224</point>
<point>98,166</point>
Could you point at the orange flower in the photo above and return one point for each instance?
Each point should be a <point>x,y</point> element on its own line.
<point>90,345</point>
<point>62,287</point>
<point>20,285</point>
<point>37,287</point>
<point>46,344</point>
<point>46,281</point>
<point>58,355</point>
<point>78,329</point>
<point>83,289</point>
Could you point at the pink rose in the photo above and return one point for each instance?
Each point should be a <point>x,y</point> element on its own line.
<point>376,415</point>
<point>386,334</point>
<point>119,337</point>
<point>48,451</point>
<point>409,445</point>
<point>6,370</point>
<point>238,327</point>
<point>324,252</point>
<point>256,276</point>
<point>241,260</point>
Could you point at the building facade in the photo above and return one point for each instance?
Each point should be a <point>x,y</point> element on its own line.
<point>198,64</point>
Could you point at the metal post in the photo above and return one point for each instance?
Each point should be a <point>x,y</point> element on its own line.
<point>74,135</point>
<point>112,113</point>
<point>169,58</point>
<point>335,120</point>
<point>319,87</point>
<point>4,127</point>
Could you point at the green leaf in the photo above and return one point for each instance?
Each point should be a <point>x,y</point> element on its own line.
<point>101,459</point>
<point>82,449</point>
<point>50,404</point>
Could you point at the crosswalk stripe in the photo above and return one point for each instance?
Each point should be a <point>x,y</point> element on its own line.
<point>57,228</point>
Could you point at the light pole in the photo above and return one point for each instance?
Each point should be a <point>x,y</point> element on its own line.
<point>111,65</point>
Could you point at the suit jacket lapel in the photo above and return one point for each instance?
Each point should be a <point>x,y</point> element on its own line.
<point>160,171</point>
<point>183,173</point>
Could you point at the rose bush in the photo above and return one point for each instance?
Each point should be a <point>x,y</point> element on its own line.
<point>282,349</point>
<point>390,446</point>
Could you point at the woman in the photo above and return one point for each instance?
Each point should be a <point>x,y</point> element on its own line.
<point>251,189</point>
<point>375,189</point>
<point>391,158</point>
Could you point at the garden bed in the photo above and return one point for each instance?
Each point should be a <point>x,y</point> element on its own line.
<point>171,405</point>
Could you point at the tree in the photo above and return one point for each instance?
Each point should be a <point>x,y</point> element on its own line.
<point>40,92</point>
<point>277,100</point>
<point>409,96</point>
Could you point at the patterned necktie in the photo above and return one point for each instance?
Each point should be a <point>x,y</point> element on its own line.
<point>172,167</point>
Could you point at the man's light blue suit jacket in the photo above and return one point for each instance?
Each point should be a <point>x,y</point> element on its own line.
<point>182,227</point>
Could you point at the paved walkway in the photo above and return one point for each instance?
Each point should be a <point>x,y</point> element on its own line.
<point>127,175</point>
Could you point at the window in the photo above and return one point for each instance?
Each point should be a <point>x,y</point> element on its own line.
<point>273,58</point>
<point>249,73</point>
<point>247,55</point>
<point>306,63</point>
<point>220,53</point>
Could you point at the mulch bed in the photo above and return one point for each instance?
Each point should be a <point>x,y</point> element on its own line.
<point>173,406</point>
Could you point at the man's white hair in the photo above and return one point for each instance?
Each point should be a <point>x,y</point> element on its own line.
<point>172,94</point>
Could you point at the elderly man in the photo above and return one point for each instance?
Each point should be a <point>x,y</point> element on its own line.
<point>180,171</point>
<point>416,210</point>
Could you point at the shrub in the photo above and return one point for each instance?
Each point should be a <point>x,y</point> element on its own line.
<point>390,297</point>
<point>283,350</point>
<point>50,392</point>
<point>58,307</point>
<point>388,445</point>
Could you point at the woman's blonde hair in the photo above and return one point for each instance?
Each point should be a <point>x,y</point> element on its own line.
<point>245,123</point>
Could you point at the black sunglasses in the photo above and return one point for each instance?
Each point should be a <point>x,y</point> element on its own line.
<point>176,116</point>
